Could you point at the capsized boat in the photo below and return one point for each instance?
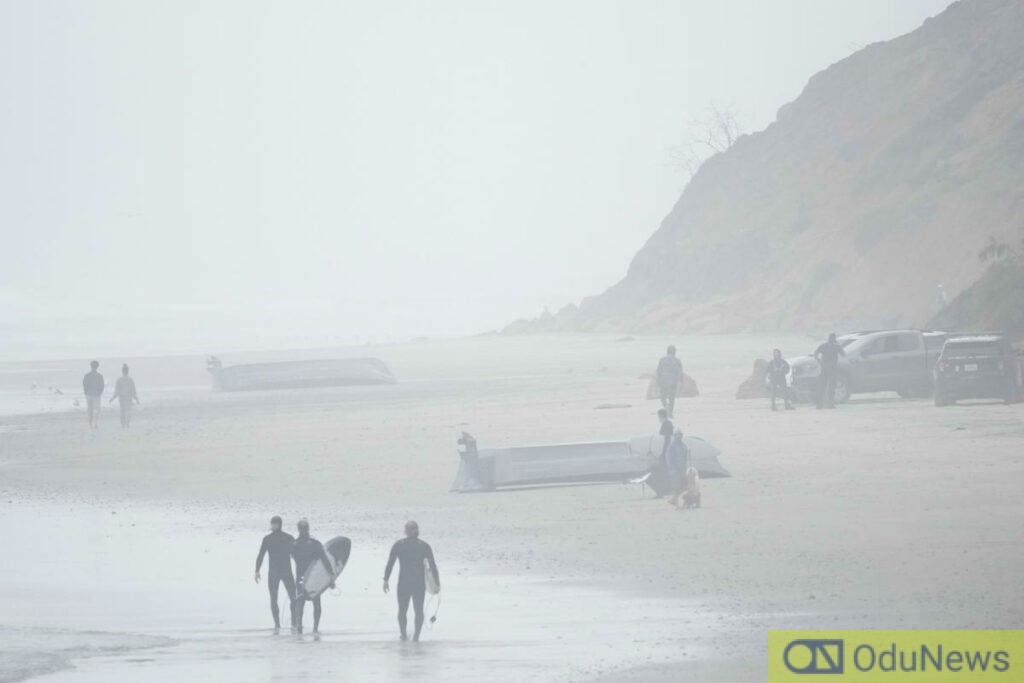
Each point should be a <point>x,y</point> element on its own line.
<point>571,463</point>
<point>299,374</point>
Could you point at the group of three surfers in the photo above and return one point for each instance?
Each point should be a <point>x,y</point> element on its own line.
<point>281,549</point>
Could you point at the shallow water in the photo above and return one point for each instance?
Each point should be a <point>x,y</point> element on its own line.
<point>184,575</point>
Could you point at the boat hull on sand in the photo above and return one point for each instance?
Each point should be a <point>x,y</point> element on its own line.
<point>300,374</point>
<point>573,463</point>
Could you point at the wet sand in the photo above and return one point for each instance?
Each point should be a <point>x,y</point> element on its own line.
<point>883,513</point>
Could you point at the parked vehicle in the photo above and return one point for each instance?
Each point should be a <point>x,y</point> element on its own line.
<point>978,366</point>
<point>887,360</point>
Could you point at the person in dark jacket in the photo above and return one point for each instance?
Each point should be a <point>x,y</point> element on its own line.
<point>778,369</point>
<point>92,386</point>
<point>667,377</point>
<point>414,557</point>
<point>678,459</point>
<point>305,551</point>
<point>277,547</point>
<point>827,356</point>
<point>658,479</point>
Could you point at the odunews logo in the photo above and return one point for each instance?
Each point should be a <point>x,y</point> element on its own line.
<point>864,656</point>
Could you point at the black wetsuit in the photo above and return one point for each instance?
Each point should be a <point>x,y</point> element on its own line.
<point>778,368</point>
<point>412,578</point>
<point>828,355</point>
<point>278,545</point>
<point>305,551</point>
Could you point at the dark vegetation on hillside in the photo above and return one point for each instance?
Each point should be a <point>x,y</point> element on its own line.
<point>995,301</point>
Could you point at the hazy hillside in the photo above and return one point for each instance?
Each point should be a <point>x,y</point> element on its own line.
<point>994,302</point>
<point>881,180</point>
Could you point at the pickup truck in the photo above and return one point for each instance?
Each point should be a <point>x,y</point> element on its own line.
<point>883,360</point>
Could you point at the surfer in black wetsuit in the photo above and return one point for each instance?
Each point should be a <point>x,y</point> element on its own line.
<point>305,551</point>
<point>278,546</point>
<point>411,553</point>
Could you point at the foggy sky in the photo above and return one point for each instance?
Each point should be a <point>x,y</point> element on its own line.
<point>195,176</point>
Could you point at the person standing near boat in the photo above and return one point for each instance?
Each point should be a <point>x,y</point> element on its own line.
<point>678,460</point>
<point>124,392</point>
<point>658,477</point>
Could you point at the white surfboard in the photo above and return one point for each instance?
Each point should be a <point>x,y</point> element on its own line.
<point>433,585</point>
<point>316,579</point>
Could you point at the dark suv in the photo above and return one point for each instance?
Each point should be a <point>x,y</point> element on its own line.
<point>978,366</point>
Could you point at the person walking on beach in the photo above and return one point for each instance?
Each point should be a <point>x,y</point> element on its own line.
<point>827,356</point>
<point>414,558</point>
<point>277,546</point>
<point>92,386</point>
<point>124,392</point>
<point>668,376</point>
<point>778,369</point>
<point>305,551</point>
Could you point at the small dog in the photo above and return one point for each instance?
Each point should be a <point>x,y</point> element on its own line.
<point>691,496</point>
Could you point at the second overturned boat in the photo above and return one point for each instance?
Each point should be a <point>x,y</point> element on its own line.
<point>299,374</point>
<point>571,463</point>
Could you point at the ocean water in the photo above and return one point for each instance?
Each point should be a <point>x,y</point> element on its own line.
<point>29,652</point>
<point>167,594</point>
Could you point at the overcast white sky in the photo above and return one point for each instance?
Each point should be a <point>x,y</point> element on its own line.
<point>219,175</point>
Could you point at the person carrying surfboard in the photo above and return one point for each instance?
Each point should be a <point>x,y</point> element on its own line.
<point>305,551</point>
<point>667,376</point>
<point>415,558</point>
<point>277,546</point>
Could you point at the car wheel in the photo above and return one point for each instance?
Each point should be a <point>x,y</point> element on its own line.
<point>842,390</point>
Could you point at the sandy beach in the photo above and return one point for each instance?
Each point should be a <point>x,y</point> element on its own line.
<point>884,513</point>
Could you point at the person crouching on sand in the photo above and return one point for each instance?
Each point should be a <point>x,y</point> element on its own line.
<point>691,496</point>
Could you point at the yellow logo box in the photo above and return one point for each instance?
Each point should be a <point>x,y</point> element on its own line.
<point>870,656</point>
